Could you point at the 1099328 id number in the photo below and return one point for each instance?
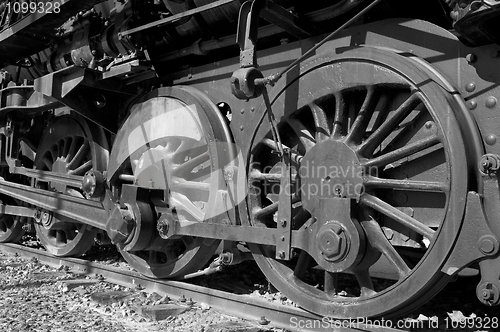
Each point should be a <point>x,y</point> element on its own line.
<point>473,323</point>
<point>32,7</point>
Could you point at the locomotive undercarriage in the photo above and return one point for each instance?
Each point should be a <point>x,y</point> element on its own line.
<point>379,149</point>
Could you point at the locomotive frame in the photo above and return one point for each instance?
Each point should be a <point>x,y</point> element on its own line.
<point>112,140</point>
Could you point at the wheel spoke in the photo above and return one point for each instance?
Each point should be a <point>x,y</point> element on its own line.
<point>182,149</point>
<point>60,237</point>
<point>378,240</point>
<point>272,144</point>
<point>73,146</point>
<point>365,283</point>
<point>340,114</point>
<point>80,170</point>
<point>397,215</point>
<point>53,152</point>
<point>47,162</point>
<point>372,181</point>
<point>66,146</point>
<point>386,127</point>
<point>330,284</point>
<point>190,185</point>
<point>270,209</point>
<point>320,121</point>
<point>358,128</point>
<point>302,265</point>
<point>80,155</point>
<point>302,133</point>
<point>189,165</point>
<point>257,175</point>
<point>402,152</point>
<point>183,203</point>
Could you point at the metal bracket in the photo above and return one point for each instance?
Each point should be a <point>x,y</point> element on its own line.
<point>284,220</point>
<point>248,26</point>
<point>476,239</point>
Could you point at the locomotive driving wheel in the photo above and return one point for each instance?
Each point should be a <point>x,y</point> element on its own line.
<point>11,227</point>
<point>69,146</point>
<point>175,141</point>
<point>379,175</point>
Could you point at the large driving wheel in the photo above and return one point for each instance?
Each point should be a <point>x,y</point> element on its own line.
<point>175,141</point>
<point>379,174</point>
<point>69,146</point>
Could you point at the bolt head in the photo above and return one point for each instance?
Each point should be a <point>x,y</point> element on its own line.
<point>330,244</point>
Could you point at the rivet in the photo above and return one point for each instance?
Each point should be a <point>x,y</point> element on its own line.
<point>282,238</point>
<point>470,87</point>
<point>252,109</point>
<point>283,223</point>
<point>241,128</point>
<point>242,111</point>
<point>490,102</point>
<point>491,139</point>
<point>428,124</point>
<point>471,58</point>
<point>472,104</point>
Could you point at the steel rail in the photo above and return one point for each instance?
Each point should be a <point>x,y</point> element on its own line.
<point>243,306</point>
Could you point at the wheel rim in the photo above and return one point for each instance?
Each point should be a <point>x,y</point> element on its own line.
<point>179,128</point>
<point>422,169</point>
<point>69,146</point>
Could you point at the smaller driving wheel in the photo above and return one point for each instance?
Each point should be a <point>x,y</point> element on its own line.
<point>68,146</point>
<point>175,140</point>
<point>11,227</point>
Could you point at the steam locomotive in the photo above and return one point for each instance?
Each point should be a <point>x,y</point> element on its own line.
<point>339,141</point>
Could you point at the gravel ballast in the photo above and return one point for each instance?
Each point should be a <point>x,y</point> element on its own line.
<point>36,297</point>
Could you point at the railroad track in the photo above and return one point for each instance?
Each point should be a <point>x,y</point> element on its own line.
<point>244,306</point>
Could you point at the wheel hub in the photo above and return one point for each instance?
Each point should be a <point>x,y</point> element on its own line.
<point>339,239</point>
<point>330,169</point>
<point>333,242</point>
